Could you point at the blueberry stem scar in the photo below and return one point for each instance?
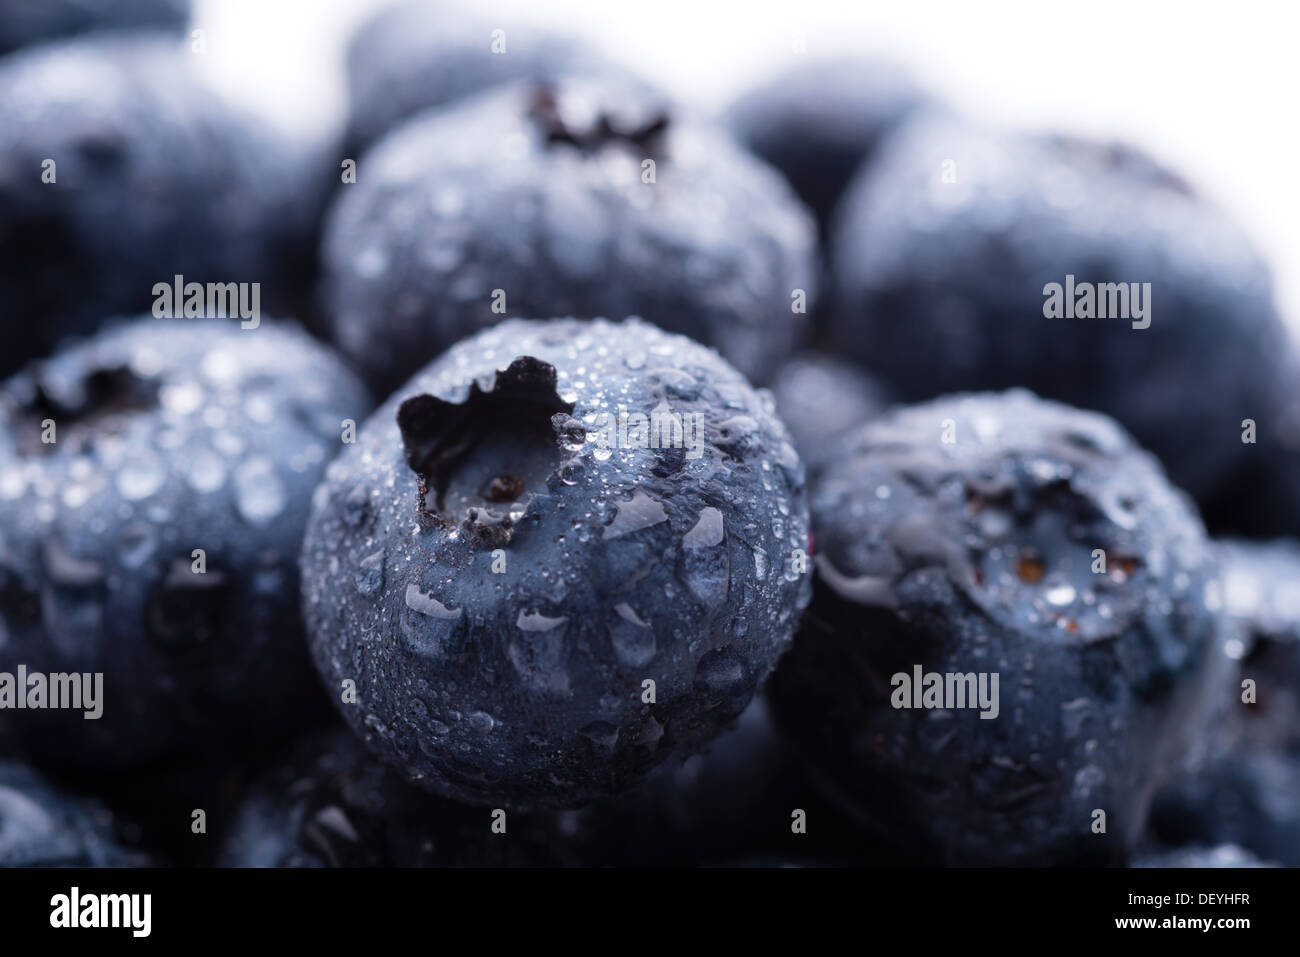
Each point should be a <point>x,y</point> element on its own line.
<point>442,440</point>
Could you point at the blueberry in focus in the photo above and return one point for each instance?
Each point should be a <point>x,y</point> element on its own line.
<point>24,22</point>
<point>944,249</point>
<point>155,538</point>
<point>119,170</point>
<point>41,826</point>
<point>819,122</point>
<point>411,56</point>
<point>821,398</point>
<point>1003,536</point>
<point>532,200</point>
<point>565,551</point>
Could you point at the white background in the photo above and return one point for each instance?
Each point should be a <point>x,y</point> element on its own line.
<point>1210,88</point>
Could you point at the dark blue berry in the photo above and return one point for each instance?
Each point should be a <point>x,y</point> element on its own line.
<point>119,170</point>
<point>506,580</point>
<point>943,248</point>
<point>170,436</point>
<point>533,201</point>
<point>1001,535</point>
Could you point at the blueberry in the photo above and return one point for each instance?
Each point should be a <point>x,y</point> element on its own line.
<point>818,122</point>
<point>447,231</point>
<point>820,398</point>
<point>41,826</point>
<point>522,550</point>
<point>944,246</point>
<point>1001,536</point>
<point>152,176</point>
<point>330,803</point>
<point>24,22</point>
<point>409,57</point>
<point>155,539</point>
<point>1225,855</point>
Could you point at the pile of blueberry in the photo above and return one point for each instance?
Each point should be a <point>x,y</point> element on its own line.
<point>634,486</point>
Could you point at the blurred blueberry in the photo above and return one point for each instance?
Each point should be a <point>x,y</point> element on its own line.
<point>945,250</point>
<point>155,540</point>
<point>576,200</point>
<point>819,121</point>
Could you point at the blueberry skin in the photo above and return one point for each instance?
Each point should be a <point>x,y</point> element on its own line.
<point>819,121</point>
<point>523,687</point>
<point>820,399</point>
<point>560,221</point>
<point>977,556</point>
<point>154,176</point>
<point>172,435</point>
<point>411,56</point>
<point>939,287</point>
<point>24,22</point>
<point>41,826</point>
